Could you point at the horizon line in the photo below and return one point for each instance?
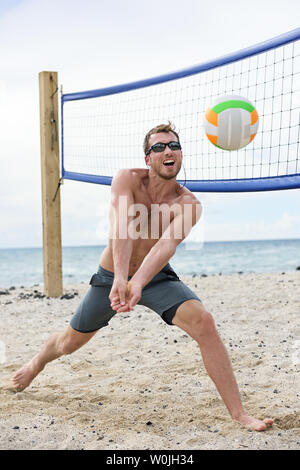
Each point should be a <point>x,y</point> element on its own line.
<point>181,244</point>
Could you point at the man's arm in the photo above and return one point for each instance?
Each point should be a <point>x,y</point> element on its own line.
<point>121,199</point>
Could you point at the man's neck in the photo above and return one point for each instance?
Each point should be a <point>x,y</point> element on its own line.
<point>160,189</point>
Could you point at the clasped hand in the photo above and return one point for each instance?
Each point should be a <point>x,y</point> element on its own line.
<point>124,295</point>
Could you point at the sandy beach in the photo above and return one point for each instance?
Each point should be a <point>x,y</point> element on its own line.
<point>141,384</point>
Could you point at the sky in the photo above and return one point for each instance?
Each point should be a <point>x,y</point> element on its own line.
<point>99,43</point>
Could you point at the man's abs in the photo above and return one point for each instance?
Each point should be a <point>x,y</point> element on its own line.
<point>140,250</point>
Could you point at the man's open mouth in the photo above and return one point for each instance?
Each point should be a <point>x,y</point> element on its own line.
<point>169,162</point>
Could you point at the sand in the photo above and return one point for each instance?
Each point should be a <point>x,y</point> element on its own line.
<point>141,384</point>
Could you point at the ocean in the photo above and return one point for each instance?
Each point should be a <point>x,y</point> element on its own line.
<point>24,266</point>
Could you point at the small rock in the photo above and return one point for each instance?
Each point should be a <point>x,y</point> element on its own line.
<point>67,296</point>
<point>149,423</point>
<point>38,295</point>
<point>4,292</point>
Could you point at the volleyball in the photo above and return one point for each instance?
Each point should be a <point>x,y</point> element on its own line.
<point>231,122</point>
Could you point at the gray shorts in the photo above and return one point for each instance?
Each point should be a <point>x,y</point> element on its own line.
<point>163,294</point>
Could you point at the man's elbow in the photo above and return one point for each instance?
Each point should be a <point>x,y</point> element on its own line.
<point>168,246</point>
<point>172,246</point>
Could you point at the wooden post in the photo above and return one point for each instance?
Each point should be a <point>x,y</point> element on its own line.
<point>52,248</point>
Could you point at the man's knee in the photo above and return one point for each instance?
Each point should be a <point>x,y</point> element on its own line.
<point>68,346</point>
<point>203,323</point>
<point>195,319</point>
<point>72,340</point>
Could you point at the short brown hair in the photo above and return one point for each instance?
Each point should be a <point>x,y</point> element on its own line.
<point>160,128</point>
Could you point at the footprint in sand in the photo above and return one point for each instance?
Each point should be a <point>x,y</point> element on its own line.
<point>289,421</point>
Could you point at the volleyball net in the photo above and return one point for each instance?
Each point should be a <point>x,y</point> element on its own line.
<point>103,129</point>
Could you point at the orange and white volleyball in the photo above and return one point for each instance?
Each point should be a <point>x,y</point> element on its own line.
<point>231,122</point>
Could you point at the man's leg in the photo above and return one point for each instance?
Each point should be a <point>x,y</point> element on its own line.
<point>192,317</point>
<point>57,345</point>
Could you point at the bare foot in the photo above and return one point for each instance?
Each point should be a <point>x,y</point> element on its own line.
<point>255,424</point>
<point>24,376</point>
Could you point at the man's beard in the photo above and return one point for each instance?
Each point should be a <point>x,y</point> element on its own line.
<point>168,177</point>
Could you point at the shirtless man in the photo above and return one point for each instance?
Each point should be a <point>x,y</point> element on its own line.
<point>134,269</point>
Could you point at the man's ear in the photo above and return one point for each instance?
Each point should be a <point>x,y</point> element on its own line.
<point>147,160</point>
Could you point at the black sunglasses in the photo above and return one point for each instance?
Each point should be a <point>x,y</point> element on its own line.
<point>160,147</point>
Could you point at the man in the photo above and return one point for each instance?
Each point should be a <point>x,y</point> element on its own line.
<point>134,269</point>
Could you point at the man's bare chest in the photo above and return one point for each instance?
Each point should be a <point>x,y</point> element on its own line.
<point>149,219</point>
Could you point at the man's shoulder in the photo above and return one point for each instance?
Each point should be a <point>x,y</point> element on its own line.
<point>131,173</point>
<point>128,177</point>
<point>187,197</point>
<point>192,207</point>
